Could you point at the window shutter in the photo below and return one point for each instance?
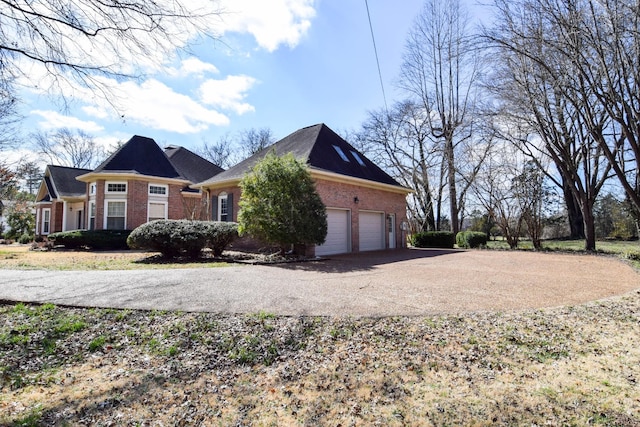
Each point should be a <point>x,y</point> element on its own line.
<point>230,207</point>
<point>214,208</point>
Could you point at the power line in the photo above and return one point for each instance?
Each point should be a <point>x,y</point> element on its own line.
<point>375,49</point>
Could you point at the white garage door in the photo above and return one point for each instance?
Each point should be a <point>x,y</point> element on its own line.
<point>371,231</point>
<point>338,233</point>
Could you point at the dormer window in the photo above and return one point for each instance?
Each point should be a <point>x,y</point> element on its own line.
<point>358,158</point>
<point>341,153</point>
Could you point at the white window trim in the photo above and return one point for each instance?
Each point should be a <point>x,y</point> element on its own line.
<point>106,211</point>
<point>106,187</point>
<point>166,208</point>
<point>45,210</point>
<point>93,188</point>
<point>221,197</point>
<point>89,216</point>
<point>166,190</point>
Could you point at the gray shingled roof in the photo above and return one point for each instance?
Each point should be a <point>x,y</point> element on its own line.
<point>191,166</point>
<point>319,147</point>
<point>64,180</point>
<point>139,155</point>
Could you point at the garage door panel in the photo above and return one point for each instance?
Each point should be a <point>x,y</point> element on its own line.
<point>338,233</point>
<point>371,231</point>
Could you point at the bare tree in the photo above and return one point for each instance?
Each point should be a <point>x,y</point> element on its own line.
<point>494,189</point>
<point>253,140</point>
<point>82,40</point>
<point>67,148</point>
<point>9,115</point>
<point>400,142</point>
<point>29,172</point>
<point>440,67</point>
<point>219,152</point>
<point>542,89</point>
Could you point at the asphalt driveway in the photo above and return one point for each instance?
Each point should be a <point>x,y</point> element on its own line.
<point>401,282</point>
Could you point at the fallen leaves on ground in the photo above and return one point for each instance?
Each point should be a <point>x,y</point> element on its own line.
<point>566,366</point>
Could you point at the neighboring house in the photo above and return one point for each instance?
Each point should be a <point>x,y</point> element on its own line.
<point>365,206</point>
<point>60,201</point>
<point>138,183</point>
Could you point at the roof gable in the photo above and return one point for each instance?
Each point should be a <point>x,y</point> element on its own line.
<point>140,155</point>
<point>191,166</point>
<point>60,182</point>
<point>320,148</point>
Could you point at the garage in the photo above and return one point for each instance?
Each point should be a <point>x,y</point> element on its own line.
<point>338,233</point>
<point>371,231</point>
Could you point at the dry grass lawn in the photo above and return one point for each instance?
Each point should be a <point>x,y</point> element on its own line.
<point>566,366</point>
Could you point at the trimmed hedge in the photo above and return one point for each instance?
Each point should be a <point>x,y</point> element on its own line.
<point>174,238</point>
<point>471,239</point>
<point>99,240</point>
<point>433,239</point>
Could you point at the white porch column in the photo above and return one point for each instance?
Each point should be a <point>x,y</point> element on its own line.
<point>64,215</point>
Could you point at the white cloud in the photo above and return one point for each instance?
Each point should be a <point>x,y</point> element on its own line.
<point>228,94</point>
<point>55,120</point>
<point>271,23</point>
<point>193,66</point>
<point>154,104</point>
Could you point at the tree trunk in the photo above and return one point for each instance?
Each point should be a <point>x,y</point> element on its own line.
<point>590,230</point>
<point>574,213</point>
<point>451,182</point>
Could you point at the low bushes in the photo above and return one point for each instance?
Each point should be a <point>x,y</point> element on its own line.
<point>174,238</point>
<point>433,239</point>
<point>100,240</point>
<point>471,239</point>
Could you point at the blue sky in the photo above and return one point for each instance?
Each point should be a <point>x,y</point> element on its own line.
<point>294,64</point>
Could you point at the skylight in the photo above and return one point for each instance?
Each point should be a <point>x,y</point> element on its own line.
<point>341,153</point>
<point>358,158</point>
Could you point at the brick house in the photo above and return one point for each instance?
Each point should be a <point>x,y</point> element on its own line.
<point>366,208</point>
<point>138,183</point>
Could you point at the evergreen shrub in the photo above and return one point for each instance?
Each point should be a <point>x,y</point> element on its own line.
<point>175,238</point>
<point>433,239</point>
<point>471,239</point>
<point>99,240</point>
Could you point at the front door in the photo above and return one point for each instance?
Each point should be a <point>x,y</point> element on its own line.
<point>391,225</point>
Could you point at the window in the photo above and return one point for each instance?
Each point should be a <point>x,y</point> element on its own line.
<point>92,188</point>
<point>341,153</point>
<point>46,220</point>
<point>223,207</point>
<point>116,187</point>
<point>92,215</point>
<point>159,190</point>
<point>358,158</point>
<point>116,215</point>
<point>157,211</point>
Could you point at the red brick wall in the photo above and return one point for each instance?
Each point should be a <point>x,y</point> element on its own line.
<point>176,208</point>
<point>236,199</point>
<point>57,212</point>
<point>99,204</point>
<point>341,195</point>
<point>39,217</point>
<point>137,196</point>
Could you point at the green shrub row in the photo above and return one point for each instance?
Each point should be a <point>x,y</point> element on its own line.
<point>433,239</point>
<point>174,238</point>
<point>471,239</point>
<point>100,240</point>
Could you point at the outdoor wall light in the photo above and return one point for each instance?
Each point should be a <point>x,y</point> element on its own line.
<point>356,200</point>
